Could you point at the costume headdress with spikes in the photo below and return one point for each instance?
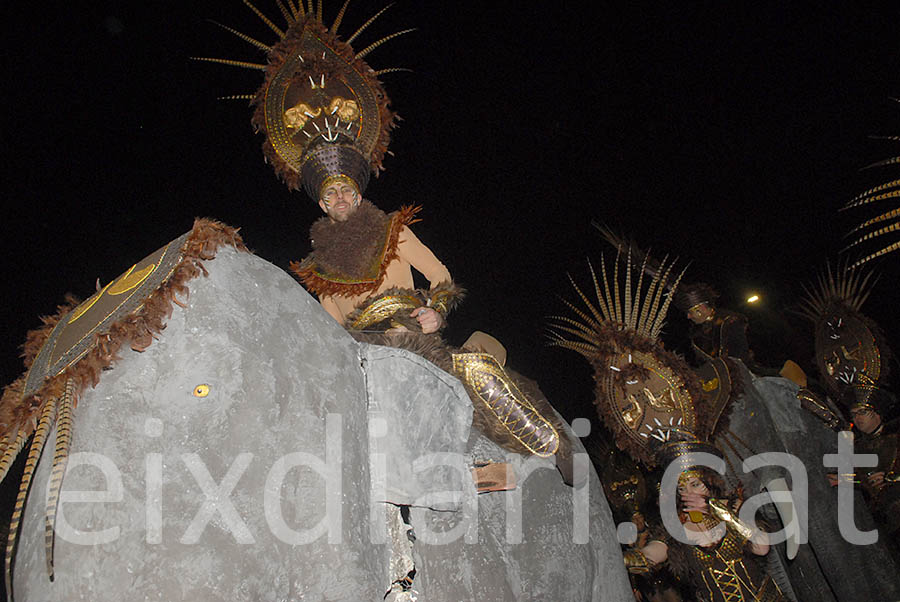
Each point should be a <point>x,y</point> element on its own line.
<point>645,394</point>
<point>850,350</point>
<point>321,107</point>
<point>687,296</point>
<point>885,223</point>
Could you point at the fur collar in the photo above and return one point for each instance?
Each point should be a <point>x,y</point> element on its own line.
<point>350,258</point>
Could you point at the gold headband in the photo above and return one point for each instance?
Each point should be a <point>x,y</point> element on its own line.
<point>688,474</point>
<point>338,178</point>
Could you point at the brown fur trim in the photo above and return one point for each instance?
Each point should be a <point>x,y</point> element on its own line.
<point>429,346</point>
<point>445,297</point>
<point>276,59</point>
<point>351,250</point>
<point>138,330</point>
<point>319,284</point>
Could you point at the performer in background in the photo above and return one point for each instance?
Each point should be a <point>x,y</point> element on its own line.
<point>880,483</point>
<point>715,332</point>
<point>722,563</point>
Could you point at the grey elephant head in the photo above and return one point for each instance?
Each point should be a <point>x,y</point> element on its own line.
<point>251,450</point>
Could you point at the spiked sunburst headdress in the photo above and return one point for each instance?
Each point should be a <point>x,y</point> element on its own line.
<point>850,350</point>
<point>645,394</point>
<point>685,297</point>
<point>321,107</point>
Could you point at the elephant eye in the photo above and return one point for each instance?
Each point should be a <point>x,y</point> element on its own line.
<point>201,390</point>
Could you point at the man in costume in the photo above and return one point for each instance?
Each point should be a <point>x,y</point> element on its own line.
<point>715,332</point>
<point>869,408</point>
<point>327,120</point>
<point>346,240</point>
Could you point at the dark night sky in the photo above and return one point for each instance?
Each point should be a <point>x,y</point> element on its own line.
<point>728,133</point>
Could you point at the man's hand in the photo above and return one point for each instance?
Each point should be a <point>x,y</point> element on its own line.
<point>694,502</point>
<point>429,319</point>
<point>876,480</point>
<point>834,478</point>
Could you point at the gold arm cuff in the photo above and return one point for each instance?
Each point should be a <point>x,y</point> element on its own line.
<point>440,302</point>
<point>719,509</point>
<point>636,563</point>
<point>382,309</point>
<point>506,402</point>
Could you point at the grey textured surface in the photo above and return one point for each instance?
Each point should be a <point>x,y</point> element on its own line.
<point>419,420</point>
<point>565,549</point>
<point>286,385</point>
<point>277,367</point>
<point>768,417</point>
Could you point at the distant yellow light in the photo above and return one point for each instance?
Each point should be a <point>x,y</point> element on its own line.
<point>752,298</point>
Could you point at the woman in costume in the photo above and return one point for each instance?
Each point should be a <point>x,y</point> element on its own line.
<point>653,403</point>
<point>722,562</point>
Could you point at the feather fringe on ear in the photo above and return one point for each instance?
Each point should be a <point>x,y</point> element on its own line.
<point>19,414</point>
<point>54,402</point>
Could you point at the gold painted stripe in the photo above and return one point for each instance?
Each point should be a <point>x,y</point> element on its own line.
<point>129,281</point>
<point>82,309</point>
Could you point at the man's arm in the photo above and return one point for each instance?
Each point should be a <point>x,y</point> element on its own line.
<point>411,250</point>
<point>734,338</point>
<point>332,308</point>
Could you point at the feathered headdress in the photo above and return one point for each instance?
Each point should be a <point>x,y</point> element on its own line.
<point>850,350</point>
<point>645,394</point>
<point>883,224</point>
<point>321,107</point>
<point>688,294</point>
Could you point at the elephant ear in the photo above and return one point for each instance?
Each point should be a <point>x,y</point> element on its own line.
<point>82,339</point>
<point>644,394</point>
<point>73,347</point>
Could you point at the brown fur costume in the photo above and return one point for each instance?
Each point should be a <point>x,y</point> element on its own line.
<point>350,258</point>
